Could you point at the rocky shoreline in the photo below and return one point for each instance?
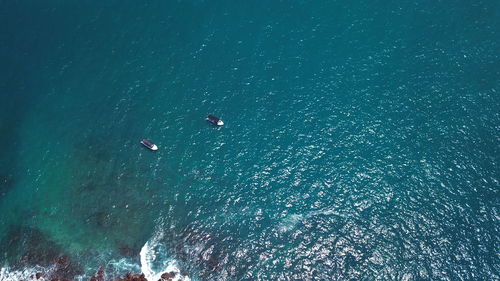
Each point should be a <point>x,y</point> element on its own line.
<point>60,275</point>
<point>42,259</point>
<point>99,276</point>
<point>63,270</point>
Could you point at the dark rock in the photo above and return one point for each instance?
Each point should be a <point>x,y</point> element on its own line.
<point>167,276</point>
<point>212,263</point>
<point>99,276</point>
<point>133,277</point>
<point>39,275</point>
<point>65,269</point>
<point>62,261</point>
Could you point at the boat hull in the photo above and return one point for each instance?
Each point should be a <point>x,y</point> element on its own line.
<point>214,120</point>
<point>147,143</point>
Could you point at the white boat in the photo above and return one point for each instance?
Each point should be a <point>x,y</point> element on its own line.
<point>149,144</point>
<point>214,120</point>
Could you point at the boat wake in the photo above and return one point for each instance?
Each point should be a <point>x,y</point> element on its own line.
<point>291,221</point>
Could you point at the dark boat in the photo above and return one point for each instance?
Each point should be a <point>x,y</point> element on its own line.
<point>149,144</point>
<point>214,120</point>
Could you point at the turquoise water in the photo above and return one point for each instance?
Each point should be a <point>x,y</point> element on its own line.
<point>362,140</point>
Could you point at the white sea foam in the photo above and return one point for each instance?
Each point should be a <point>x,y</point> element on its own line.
<point>7,274</point>
<point>155,260</point>
<point>290,221</point>
<point>123,266</point>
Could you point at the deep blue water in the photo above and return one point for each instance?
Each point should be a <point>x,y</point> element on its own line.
<point>361,139</point>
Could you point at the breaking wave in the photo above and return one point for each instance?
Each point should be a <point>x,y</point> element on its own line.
<point>155,260</point>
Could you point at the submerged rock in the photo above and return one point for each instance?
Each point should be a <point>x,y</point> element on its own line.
<point>65,269</point>
<point>28,246</point>
<point>133,277</point>
<point>128,251</point>
<point>99,276</point>
<point>6,182</point>
<point>167,276</point>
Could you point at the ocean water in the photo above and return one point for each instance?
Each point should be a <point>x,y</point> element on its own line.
<point>361,139</point>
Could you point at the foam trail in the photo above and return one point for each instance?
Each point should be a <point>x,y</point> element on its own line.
<point>290,221</point>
